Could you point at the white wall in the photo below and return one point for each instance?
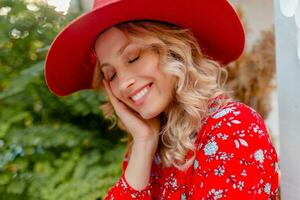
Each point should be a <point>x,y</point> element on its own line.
<point>288,73</point>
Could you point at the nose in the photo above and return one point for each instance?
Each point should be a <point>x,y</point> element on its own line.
<point>127,80</point>
<point>125,85</point>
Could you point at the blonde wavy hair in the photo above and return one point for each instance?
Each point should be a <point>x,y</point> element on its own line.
<point>198,80</point>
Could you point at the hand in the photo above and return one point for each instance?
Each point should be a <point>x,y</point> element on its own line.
<point>142,130</point>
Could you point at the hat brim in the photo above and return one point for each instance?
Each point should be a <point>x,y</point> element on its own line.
<point>69,66</point>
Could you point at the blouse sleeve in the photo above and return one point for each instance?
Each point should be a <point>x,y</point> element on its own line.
<point>235,158</point>
<point>122,190</point>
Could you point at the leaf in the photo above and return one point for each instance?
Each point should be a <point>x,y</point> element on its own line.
<point>236,121</point>
<point>22,80</point>
<point>16,187</point>
<point>237,144</point>
<point>4,179</point>
<point>243,142</point>
<point>4,126</point>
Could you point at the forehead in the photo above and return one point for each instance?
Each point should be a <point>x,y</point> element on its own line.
<point>109,42</point>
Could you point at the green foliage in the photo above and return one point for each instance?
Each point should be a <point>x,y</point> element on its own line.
<point>50,147</point>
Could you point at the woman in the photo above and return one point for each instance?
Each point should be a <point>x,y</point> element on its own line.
<point>164,80</point>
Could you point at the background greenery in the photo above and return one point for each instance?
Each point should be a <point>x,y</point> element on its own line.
<point>54,148</point>
<point>50,147</point>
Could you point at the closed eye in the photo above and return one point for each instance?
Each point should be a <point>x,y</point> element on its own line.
<point>112,77</point>
<point>131,61</point>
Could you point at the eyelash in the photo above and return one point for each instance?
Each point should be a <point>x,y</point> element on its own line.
<point>131,61</point>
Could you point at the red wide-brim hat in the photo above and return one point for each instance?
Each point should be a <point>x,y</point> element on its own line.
<point>70,61</point>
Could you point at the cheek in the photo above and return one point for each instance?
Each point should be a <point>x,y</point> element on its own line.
<point>150,64</point>
<point>115,91</point>
<point>168,84</point>
<point>118,95</point>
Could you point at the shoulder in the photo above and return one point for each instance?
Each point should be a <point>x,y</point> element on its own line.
<point>237,116</point>
<point>236,109</point>
<point>236,126</point>
<point>235,149</point>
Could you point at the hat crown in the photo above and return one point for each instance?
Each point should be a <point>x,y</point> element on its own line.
<point>101,3</point>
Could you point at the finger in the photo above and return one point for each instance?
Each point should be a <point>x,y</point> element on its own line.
<point>115,101</point>
<point>120,108</point>
<point>109,92</point>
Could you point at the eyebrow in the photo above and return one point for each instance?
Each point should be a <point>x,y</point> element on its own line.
<point>120,51</point>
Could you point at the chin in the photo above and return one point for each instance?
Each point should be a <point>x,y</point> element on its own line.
<point>149,115</point>
<point>154,111</point>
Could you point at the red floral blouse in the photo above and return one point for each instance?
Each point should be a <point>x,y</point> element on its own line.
<point>235,159</point>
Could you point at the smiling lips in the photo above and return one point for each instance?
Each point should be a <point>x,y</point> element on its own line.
<point>140,97</point>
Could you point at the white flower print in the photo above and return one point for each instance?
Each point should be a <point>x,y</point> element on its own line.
<point>218,125</point>
<point>171,182</point>
<point>240,185</point>
<point>211,148</point>
<point>196,164</point>
<point>233,121</point>
<point>267,188</point>
<point>174,182</point>
<point>217,194</point>
<point>277,167</point>
<point>222,113</point>
<point>134,195</point>
<point>222,136</point>
<point>223,156</point>
<point>220,171</point>
<point>183,197</point>
<point>244,173</point>
<point>236,113</point>
<point>256,129</point>
<point>259,191</point>
<point>259,156</point>
<point>157,160</point>
<point>239,141</point>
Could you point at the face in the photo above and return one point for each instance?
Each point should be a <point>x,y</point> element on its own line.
<point>134,74</point>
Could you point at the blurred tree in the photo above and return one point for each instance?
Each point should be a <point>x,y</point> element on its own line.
<point>80,5</point>
<point>50,147</point>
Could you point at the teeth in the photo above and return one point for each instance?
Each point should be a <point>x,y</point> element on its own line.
<point>140,94</point>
